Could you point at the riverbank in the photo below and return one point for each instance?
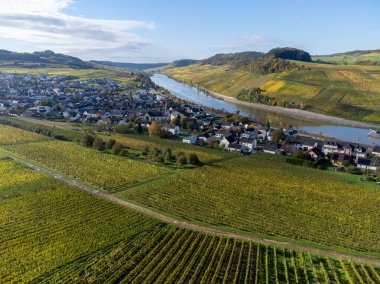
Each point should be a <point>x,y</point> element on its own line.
<point>296,113</point>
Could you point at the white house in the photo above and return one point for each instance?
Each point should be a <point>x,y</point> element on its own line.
<point>248,144</point>
<point>173,129</point>
<point>190,140</point>
<point>368,164</point>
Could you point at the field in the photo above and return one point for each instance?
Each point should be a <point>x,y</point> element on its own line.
<point>350,91</point>
<point>54,233</point>
<point>264,195</point>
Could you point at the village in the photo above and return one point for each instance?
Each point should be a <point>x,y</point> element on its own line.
<point>105,103</point>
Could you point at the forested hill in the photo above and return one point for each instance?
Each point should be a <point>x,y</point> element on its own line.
<point>41,59</point>
<point>130,66</point>
<point>276,60</point>
<point>235,60</point>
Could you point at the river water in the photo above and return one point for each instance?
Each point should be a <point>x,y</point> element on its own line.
<point>192,94</point>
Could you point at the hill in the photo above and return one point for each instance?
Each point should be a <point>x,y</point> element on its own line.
<point>235,60</point>
<point>129,66</point>
<point>348,91</point>
<point>40,59</point>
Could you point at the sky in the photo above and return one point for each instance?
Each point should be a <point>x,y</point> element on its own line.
<point>151,31</point>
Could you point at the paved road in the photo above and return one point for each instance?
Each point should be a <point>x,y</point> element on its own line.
<point>187,225</point>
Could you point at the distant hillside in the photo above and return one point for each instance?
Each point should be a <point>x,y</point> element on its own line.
<point>355,57</point>
<point>130,66</point>
<point>41,59</point>
<point>183,62</point>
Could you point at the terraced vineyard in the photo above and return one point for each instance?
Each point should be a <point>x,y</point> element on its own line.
<point>263,194</point>
<point>88,165</point>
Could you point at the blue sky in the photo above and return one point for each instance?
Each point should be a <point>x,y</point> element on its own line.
<point>165,30</point>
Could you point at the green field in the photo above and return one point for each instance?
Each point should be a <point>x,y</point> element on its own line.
<point>54,233</point>
<point>265,195</point>
<point>350,91</point>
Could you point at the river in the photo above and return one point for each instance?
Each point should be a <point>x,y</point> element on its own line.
<point>192,94</point>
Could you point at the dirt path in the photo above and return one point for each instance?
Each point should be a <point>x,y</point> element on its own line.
<point>296,113</point>
<point>186,225</point>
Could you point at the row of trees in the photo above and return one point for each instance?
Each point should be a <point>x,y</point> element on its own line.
<point>155,154</point>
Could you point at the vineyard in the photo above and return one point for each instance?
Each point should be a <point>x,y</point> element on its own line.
<point>45,224</point>
<point>91,166</point>
<point>263,194</point>
<point>12,135</point>
<point>54,233</point>
<point>170,255</point>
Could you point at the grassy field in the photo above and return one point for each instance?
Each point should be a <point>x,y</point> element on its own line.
<point>54,233</point>
<point>350,91</point>
<point>263,194</point>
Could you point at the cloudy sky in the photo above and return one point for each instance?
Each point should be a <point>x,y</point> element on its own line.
<point>165,30</point>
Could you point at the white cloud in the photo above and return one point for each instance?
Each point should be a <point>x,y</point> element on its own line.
<point>44,24</point>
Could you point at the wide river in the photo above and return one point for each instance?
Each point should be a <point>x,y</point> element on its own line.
<point>192,94</point>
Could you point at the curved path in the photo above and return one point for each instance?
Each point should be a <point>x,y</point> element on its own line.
<point>187,225</point>
<point>296,113</point>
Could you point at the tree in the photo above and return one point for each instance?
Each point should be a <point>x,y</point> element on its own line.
<point>117,148</point>
<point>139,129</point>
<point>110,143</point>
<point>154,129</point>
<point>184,119</point>
<point>99,144</point>
<point>88,140</point>
<point>181,160</point>
<point>193,159</point>
<point>278,135</point>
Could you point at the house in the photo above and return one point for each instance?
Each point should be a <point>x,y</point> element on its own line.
<point>368,164</point>
<point>376,151</point>
<point>250,134</point>
<point>234,147</point>
<point>303,143</point>
<point>155,116</point>
<point>339,158</point>
<point>271,148</point>
<point>173,129</point>
<point>190,140</point>
<point>314,153</point>
<point>227,140</point>
<point>248,144</point>
<point>331,147</point>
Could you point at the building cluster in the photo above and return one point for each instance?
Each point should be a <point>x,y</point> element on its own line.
<point>247,139</point>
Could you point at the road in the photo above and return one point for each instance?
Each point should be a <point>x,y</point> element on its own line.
<point>191,226</point>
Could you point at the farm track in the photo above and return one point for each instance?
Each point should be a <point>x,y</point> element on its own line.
<point>191,226</point>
